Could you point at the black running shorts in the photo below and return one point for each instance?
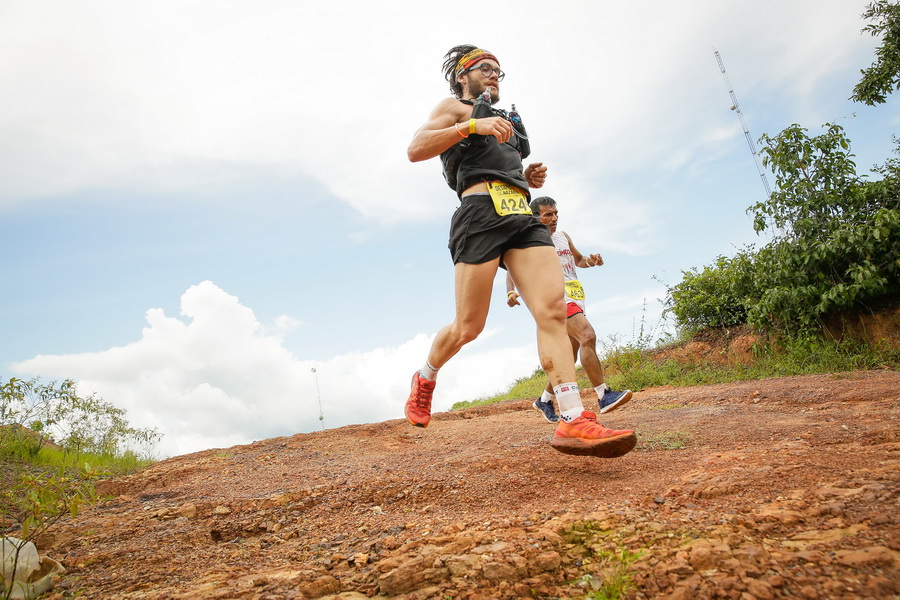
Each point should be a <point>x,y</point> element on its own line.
<point>478,234</point>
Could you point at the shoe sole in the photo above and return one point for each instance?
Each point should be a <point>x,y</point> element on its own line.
<point>607,448</point>
<point>543,414</point>
<point>411,422</point>
<point>617,404</point>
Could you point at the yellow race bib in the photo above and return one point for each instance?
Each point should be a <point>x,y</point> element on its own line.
<point>508,200</point>
<point>574,290</point>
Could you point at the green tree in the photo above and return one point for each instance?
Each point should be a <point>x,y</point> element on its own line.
<point>835,243</point>
<point>883,77</point>
<point>835,236</point>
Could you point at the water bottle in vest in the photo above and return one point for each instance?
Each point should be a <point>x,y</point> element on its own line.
<point>521,139</point>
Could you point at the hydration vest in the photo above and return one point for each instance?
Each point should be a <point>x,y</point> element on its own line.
<point>453,156</point>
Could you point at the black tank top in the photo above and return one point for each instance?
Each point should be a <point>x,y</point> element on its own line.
<point>485,159</point>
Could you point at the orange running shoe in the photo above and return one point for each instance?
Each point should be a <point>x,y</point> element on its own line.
<point>418,406</point>
<point>586,437</point>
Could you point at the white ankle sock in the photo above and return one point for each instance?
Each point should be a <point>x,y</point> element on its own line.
<point>429,372</point>
<point>569,400</point>
<point>546,396</point>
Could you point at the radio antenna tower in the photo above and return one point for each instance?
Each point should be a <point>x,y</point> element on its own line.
<point>321,414</point>
<point>737,108</point>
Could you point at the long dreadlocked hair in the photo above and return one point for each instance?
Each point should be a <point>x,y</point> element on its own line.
<point>451,59</point>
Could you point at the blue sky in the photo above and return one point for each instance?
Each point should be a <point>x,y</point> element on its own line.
<point>201,202</point>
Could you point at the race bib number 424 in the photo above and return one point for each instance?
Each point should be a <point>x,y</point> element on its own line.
<point>508,200</point>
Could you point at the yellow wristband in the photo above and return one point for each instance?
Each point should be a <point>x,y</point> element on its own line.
<point>471,125</point>
<point>510,293</point>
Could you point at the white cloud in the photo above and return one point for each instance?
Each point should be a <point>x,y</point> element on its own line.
<point>171,95</point>
<point>176,96</point>
<point>219,377</point>
<point>607,221</point>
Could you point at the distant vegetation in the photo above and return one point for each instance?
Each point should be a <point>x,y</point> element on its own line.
<point>835,234</point>
<point>637,368</point>
<point>54,446</point>
<point>835,243</point>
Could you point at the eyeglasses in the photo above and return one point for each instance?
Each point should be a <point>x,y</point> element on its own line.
<point>487,69</point>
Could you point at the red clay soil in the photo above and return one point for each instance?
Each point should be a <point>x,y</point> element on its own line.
<point>780,488</point>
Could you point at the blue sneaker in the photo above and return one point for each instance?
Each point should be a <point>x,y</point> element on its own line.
<point>546,409</point>
<point>612,400</point>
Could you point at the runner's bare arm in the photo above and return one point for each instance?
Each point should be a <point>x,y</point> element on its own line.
<point>439,132</point>
<point>592,260</point>
<point>447,124</point>
<point>512,296</point>
<point>536,174</point>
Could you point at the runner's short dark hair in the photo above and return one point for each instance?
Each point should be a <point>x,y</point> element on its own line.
<point>537,203</point>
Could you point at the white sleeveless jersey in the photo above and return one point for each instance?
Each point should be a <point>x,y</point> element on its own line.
<point>567,262</point>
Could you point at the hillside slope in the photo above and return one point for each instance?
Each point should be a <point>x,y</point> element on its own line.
<point>784,488</point>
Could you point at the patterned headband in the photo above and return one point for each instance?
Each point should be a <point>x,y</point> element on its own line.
<point>470,58</point>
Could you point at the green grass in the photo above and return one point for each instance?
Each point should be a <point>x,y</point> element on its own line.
<point>605,560</point>
<point>19,450</point>
<point>527,387</point>
<point>28,470</point>
<point>635,369</point>
<point>664,440</point>
<point>40,485</point>
<point>615,579</point>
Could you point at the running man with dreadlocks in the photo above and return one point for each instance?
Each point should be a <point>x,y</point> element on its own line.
<point>481,149</point>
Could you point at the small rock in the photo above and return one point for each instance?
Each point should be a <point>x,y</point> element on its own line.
<point>808,591</point>
<point>546,561</point>
<point>359,559</point>
<point>873,555</point>
<point>760,590</point>
<point>322,586</point>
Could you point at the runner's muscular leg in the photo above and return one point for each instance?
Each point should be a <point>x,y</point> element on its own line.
<point>473,284</point>
<point>540,281</point>
<point>582,332</point>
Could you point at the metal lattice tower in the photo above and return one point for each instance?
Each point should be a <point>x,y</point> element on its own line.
<point>737,108</point>
<point>321,413</point>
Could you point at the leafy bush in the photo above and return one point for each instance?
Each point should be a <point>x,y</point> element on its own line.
<point>835,243</point>
<point>33,504</point>
<point>717,296</point>
<point>836,237</point>
<point>42,482</point>
<point>32,414</point>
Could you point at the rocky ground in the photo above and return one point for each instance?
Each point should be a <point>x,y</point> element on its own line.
<point>780,488</point>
